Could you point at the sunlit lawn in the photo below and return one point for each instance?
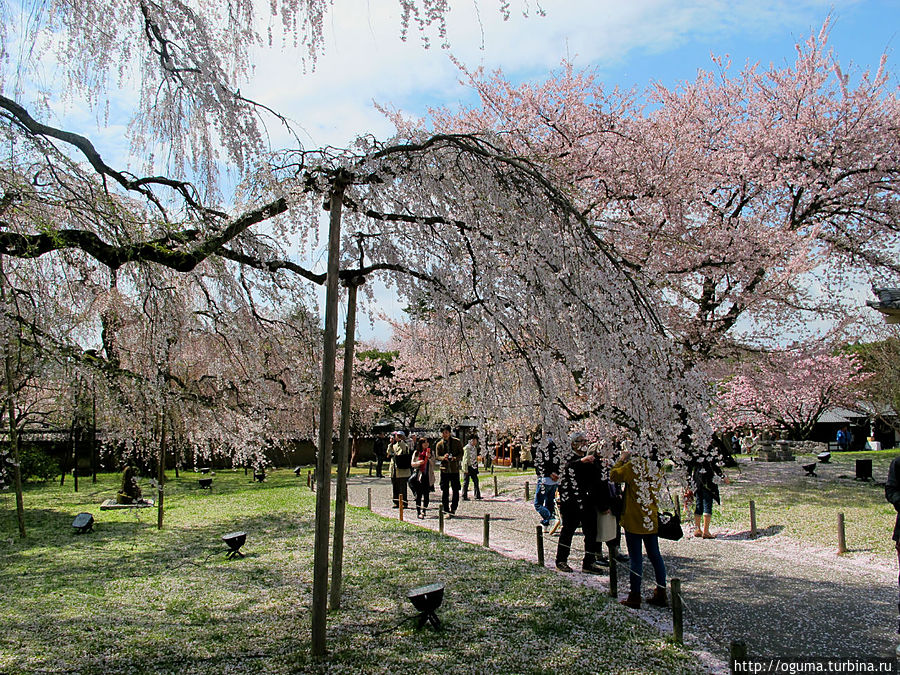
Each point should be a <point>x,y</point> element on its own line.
<point>128,598</point>
<point>806,508</point>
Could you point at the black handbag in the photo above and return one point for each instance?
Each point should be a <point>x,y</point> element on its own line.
<point>669,522</point>
<point>415,484</point>
<point>670,525</point>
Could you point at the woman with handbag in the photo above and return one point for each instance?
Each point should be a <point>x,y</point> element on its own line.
<point>640,520</point>
<point>423,476</point>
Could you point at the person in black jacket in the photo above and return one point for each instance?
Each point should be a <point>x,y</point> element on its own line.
<point>380,448</point>
<point>582,493</point>
<point>892,494</point>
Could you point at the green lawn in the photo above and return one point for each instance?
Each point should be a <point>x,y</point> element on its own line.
<point>128,598</point>
<point>806,508</point>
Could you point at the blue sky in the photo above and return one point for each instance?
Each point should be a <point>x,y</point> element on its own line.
<point>630,44</point>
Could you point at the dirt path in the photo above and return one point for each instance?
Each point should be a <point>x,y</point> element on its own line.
<point>781,597</point>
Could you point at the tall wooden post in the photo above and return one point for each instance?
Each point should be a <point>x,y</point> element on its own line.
<point>752,518</point>
<point>326,411</point>
<point>842,537</point>
<point>340,499</point>
<point>677,612</point>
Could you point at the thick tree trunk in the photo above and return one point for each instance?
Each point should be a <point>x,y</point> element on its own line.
<point>14,446</point>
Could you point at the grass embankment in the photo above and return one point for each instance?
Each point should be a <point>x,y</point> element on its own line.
<point>128,598</point>
<point>806,508</point>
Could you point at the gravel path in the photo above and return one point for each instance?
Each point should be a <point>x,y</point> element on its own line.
<point>783,598</point>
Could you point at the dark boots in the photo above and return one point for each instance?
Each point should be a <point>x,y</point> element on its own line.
<point>658,599</point>
<point>633,600</point>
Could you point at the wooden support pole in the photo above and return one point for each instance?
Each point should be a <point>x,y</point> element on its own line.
<point>842,538</point>
<point>527,492</point>
<point>441,519</point>
<point>369,498</point>
<point>343,464</point>
<point>400,501</point>
<point>677,612</point>
<point>319,612</point>
<point>495,486</point>
<point>752,518</point>
<point>486,541</point>
<point>540,545</point>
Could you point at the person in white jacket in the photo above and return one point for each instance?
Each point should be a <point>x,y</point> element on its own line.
<point>470,468</point>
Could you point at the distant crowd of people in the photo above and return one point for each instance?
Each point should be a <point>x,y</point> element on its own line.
<point>576,488</point>
<point>414,465</point>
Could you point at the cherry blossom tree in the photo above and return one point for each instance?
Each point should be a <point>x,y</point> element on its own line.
<point>789,391</point>
<point>736,195</point>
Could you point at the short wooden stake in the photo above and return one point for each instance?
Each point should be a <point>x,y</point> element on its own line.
<point>487,530</point>
<point>441,519</point>
<point>613,572</point>
<point>495,486</point>
<point>540,545</point>
<point>842,538</point>
<point>752,518</point>
<point>369,499</point>
<point>527,492</point>
<point>677,611</point>
<point>738,653</point>
<point>309,479</point>
<point>400,499</point>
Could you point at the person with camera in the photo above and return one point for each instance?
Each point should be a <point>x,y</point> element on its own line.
<point>579,502</point>
<point>401,462</point>
<point>423,472</point>
<point>449,451</point>
<point>470,469</point>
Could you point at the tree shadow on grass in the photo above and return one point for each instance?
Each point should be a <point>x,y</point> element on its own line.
<point>770,531</point>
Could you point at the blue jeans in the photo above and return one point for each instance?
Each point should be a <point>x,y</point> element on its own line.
<point>651,545</point>
<point>544,498</point>
<point>703,501</point>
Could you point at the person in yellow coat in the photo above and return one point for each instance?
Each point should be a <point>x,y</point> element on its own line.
<point>640,520</point>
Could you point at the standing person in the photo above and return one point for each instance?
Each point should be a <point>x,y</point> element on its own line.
<point>423,465</point>
<point>525,459</point>
<point>515,454</point>
<point>449,451</point>
<point>487,456</point>
<point>470,468</point>
<point>640,520</point>
<point>546,466</point>
<point>578,503</point>
<point>703,472</point>
<point>379,447</point>
<point>401,460</point>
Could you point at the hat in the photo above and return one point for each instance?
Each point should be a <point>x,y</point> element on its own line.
<point>577,436</point>
<point>400,434</point>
